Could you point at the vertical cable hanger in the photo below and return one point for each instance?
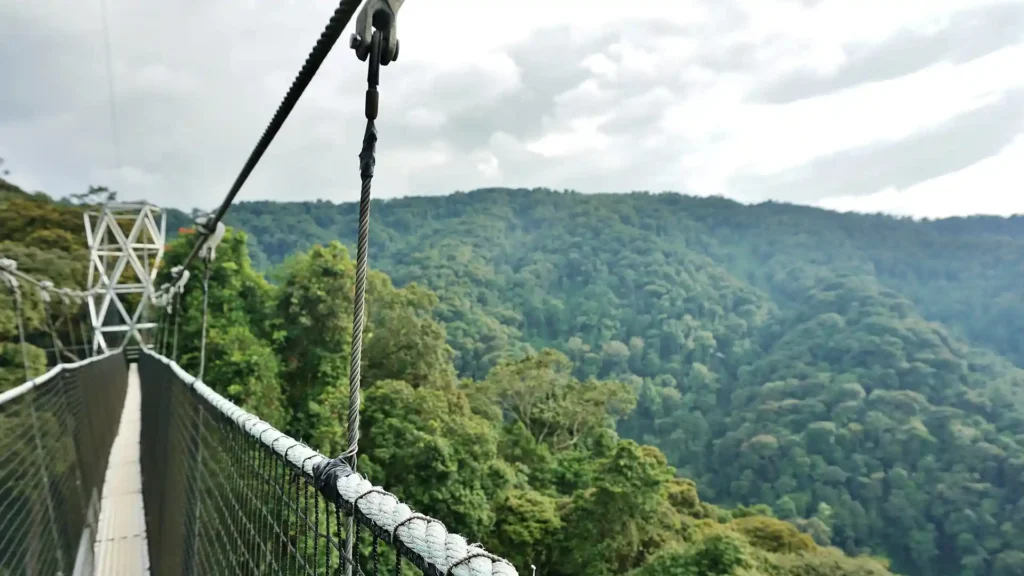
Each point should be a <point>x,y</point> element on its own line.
<point>7,269</point>
<point>115,140</point>
<point>213,232</point>
<point>375,42</point>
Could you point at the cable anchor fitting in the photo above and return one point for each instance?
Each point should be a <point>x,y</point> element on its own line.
<point>382,15</point>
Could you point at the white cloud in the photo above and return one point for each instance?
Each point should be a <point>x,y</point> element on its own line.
<point>769,138</point>
<point>992,186</point>
<point>598,96</point>
<point>583,136</point>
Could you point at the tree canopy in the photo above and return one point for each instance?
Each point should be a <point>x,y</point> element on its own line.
<point>859,375</point>
<point>629,384</point>
<point>526,459</point>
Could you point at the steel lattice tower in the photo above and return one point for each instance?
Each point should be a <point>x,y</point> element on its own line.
<point>126,245</point>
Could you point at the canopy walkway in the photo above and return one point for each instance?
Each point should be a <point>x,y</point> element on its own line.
<point>123,463</point>
<point>185,482</point>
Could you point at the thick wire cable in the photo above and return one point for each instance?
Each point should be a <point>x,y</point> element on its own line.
<point>110,86</point>
<point>367,162</point>
<point>335,26</point>
<point>358,314</point>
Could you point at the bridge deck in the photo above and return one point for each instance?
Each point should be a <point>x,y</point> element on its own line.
<point>120,546</point>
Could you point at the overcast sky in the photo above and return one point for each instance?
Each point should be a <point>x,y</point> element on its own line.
<point>909,107</point>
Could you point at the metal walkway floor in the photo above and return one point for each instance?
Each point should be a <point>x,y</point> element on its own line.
<point>120,546</point>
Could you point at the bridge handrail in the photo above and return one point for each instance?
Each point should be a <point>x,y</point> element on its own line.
<point>422,540</point>
<point>46,377</point>
<point>56,435</point>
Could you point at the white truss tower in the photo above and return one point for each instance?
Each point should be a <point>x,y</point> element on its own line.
<point>126,245</point>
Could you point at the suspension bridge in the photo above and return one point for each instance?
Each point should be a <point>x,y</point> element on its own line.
<point>121,462</point>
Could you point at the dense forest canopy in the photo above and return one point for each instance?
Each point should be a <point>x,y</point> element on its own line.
<point>861,375</point>
<point>639,384</point>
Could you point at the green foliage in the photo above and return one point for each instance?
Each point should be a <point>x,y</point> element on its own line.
<point>313,328</point>
<point>778,355</point>
<point>428,446</point>
<point>540,394</point>
<point>773,535</point>
<point>786,360</point>
<point>240,360</point>
<point>525,459</point>
<point>47,241</point>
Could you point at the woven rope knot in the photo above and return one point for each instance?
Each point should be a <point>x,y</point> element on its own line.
<point>8,265</point>
<point>44,290</point>
<point>326,474</point>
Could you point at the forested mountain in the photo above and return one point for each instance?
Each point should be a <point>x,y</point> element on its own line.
<point>539,363</point>
<point>525,458</point>
<point>861,375</point>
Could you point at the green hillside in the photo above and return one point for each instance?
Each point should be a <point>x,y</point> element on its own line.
<point>47,241</point>
<point>858,374</point>
<point>524,458</point>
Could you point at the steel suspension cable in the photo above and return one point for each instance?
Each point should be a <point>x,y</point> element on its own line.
<point>367,162</point>
<point>335,26</point>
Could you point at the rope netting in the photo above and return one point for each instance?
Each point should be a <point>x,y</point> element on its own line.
<point>56,432</point>
<point>227,493</point>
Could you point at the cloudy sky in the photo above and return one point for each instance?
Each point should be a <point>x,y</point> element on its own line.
<point>903,106</point>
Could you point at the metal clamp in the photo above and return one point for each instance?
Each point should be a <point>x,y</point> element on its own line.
<point>213,237</point>
<point>382,15</point>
